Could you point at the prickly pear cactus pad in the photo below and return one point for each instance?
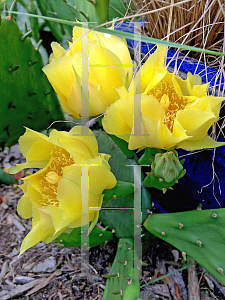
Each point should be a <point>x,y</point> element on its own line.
<point>123,279</point>
<point>121,219</point>
<point>97,237</point>
<point>60,10</point>
<point>199,233</point>
<point>27,98</point>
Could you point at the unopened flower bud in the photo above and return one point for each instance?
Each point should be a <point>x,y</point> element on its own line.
<point>167,166</point>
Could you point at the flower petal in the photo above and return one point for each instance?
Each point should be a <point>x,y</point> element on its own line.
<point>195,122</point>
<point>153,67</point>
<point>106,67</point>
<point>205,142</point>
<point>36,148</point>
<point>24,207</point>
<point>119,47</point>
<point>150,134</point>
<point>42,230</point>
<point>118,119</point>
<point>80,142</point>
<point>195,86</point>
<point>57,49</point>
<point>61,76</point>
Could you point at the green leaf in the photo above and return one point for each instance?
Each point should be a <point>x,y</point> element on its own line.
<point>128,35</point>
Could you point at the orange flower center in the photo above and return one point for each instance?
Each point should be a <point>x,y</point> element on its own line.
<point>165,93</point>
<point>54,172</point>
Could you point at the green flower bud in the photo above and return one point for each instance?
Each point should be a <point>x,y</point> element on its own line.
<point>167,166</point>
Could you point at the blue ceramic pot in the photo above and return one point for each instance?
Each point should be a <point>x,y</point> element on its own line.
<point>204,182</point>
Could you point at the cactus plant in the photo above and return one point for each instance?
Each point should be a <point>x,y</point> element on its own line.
<point>97,237</point>
<point>166,170</point>
<point>61,10</point>
<point>94,10</point>
<point>121,189</point>
<point>7,178</point>
<point>122,168</point>
<point>199,233</point>
<point>123,279</point>
<point>27,99</point>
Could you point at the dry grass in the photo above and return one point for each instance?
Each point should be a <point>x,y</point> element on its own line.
<point>198,23</point>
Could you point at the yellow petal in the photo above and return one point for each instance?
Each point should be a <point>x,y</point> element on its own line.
<point>34,194</point>
<point>190,87</point>
<point>170,140</point>
<point>119,47</point>
<point>60,74</point>
<point>93,101</point>
<point>106,67</point>
<point>77,37</point>
<point>205,142</point>
<point>195,86</point>
<point>180,86</point>
<point>154,61</point>
<point>208,104</point>
<point>159,74</point>
<point>100,178</point>
<point>42,230</point>
<point>89,139</point>
<point>80,143</point>
<point>36,148</point>
<point>27,140</point>
<point>151,107</point>
<point>150,134</point>
<point>195,122</point>
<point>115,121</point>
<point>24,207</point>
<point>57,49</point>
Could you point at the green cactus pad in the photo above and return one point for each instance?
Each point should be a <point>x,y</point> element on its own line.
<point>118,213</point>
<point>148,156</point>
<point>123,146</point>
<point>123,279</point>
<point>60,10</point>
<point>121,189</point>
<point>7,178</point>
<point>199,233</point>
<point>98,12</point>
<point>27,98</point>
<point>97,237</point>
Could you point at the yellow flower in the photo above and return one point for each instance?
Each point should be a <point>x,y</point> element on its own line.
<point>110,66</point>
<point>174,113</point>
<point>53,195</point>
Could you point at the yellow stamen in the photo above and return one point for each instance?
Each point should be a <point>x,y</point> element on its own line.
<point>50,179</point>
<point>166,94</point>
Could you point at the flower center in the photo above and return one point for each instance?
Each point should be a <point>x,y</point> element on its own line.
<point>165,93</point>
<point>54,172</point>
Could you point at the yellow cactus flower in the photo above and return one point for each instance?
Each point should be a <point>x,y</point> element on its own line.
<point>53,195</point>
<point>174,113</point>
<point>109,67</point>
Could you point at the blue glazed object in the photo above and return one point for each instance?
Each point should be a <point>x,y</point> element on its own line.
<point>183,63</point>
<point>204,182</point>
